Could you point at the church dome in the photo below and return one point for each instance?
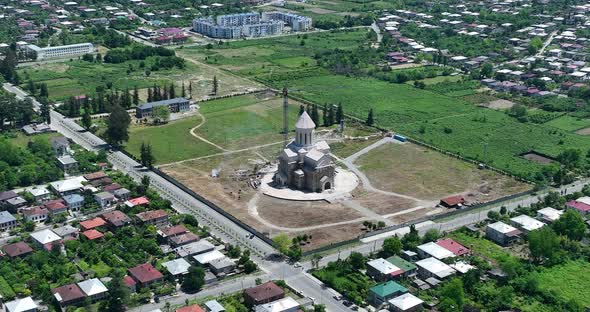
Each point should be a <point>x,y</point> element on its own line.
<point>305,122</point>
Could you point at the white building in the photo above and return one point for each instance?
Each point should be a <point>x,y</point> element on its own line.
<point>405,302</point>
<point>549,214</point>
<point>94,289</point>
<point>45,238</point>
<point>177,267</point>
<point>527,223</point>
<point>21,305</point>
<point>434,250</point>
<point>286,304</point>
<point>381,269</point>
<point>207,257</point>
<point>65,51</point>
<point>431,267</point>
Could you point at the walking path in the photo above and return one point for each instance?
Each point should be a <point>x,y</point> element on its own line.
<point>202,138</point>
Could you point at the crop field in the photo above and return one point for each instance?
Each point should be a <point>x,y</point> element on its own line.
<point>569,281</point>
<point>420,172</point>
<point>569,123</point>
<point>72,78</point>
<point>273,56</point>
<point>448,123</point>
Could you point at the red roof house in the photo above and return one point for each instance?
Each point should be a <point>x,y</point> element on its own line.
<point>92,234</point>
<point>452,201</point>
<point>263,293</point>
<point>579,206</point>
<point>173,231</point>
<point>92,224</point>
<point>68,294</point>
<point>145,274</point>
<point>452,246</point>
<point>139,201</point>
<point>56,206</point>
<point>116,218</point>
<point>191,308</point>
<point>155,217</point>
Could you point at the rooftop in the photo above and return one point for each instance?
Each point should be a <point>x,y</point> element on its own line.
<point>17,249</point>
<point>67,293</point>
<point>435,250</point>
<point>145,273</point>
<point>385,267</point>
<point>527,223</point>
<point>21,305</point>
<point>151,215</point>
<point>405,301</point>
<point>191,308</point>
<point>264,291</point>
<point>6,217</point>
<point>436,267</point>
<point>92,223</point>
<point>92,287</point>
<point>385,289</point>
<point>45,236</point>
<point>452,246</point>
<point>285,304</point>
<point>177,266</point>
<point>92,234</point>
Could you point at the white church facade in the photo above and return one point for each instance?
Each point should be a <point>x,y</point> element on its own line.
<point>306,164</point>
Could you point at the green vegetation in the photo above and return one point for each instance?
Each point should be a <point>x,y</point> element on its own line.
<point>569,123</point>
<point>344,277</point>
<point>568,281</point>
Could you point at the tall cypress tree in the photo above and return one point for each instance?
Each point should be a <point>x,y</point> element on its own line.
<point>370,119</point>
<point>339,113</point>
<point>172,92</point>
<point>135,96</point>
<point>301,109</point>
<point>325,116</point>
<point>315,116</point>
<point>183,91</point>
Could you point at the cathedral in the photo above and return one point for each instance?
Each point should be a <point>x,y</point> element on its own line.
<point>306,164</point>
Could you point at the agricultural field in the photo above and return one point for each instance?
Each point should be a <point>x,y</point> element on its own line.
<point>416,171</point>
<point>569,123</point>
<point>72,78</point>
<point>568,281</point>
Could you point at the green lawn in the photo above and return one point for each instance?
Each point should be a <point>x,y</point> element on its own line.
<point>170,142</point>
<point>481,246</point>
<point>22,140</point>
<point>569,123</point>
<point>569,281</point>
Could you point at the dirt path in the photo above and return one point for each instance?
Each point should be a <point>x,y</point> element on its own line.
<point>202,138</point>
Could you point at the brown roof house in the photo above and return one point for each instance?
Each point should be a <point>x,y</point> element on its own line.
<point>19,249</point>
<point>69,294</point>
<point>263,293</point>
<point>145,274</point>
<point>116,219</point>
<point>154,217</point>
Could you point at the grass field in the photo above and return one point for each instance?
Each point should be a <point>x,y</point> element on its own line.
<point>569,123</point>
<point>569,281</point>
<point>20,139</point>
<point>423,173</point>
<point>445,122</point>
<point>481,246</point>
<point>267,57</point>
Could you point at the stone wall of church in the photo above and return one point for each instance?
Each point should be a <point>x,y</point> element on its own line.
<point>313,177</point>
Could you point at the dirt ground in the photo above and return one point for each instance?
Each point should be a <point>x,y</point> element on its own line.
<point>380,203</point>
<point>331,235</point>
<point>498,104</point>
<point>585,131</point>
<point>537,158</point>
<point>422,173</point>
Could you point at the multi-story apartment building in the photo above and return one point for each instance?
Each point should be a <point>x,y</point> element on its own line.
<point>296,22</point>
<point>249,25</point>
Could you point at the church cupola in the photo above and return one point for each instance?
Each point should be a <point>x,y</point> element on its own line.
<point>304,130</point>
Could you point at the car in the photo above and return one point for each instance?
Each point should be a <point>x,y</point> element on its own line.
<point>347,303</point>
<point>297,264</point>
<point>337,298</point>
<point>354,308</point>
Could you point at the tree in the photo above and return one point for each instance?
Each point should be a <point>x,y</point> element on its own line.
<point>339,113</point>
<point>45,111</point>
<point>315,115</point>
<point>160,114</point>
<point>118,125</point>
<point>194,280</point>
<point>570,158</point>
<point>357,260</point>
<point>431,235</point>
<point>453,291</point>
<point>319,308</point>
<point>215,85</point>
<point>331,117</point>
<point>570,224</point>
<point>31,87</point>
<point>87,118</point>
<point>315,260</point>
<point>183,90</point>
<point>135,96</point>
<point>190,89</point>
<point>171,91</point>
<point>487,70</point>
<point>146,155</point>
<point>391,246</point>
<point>535,45</point>
<point>118,293</point>
<point>543,244</point>
<point>370,119</point>
<point>325,117</point>
<point>43,92</point>
<point>250,267</point>
<point>281,243</point>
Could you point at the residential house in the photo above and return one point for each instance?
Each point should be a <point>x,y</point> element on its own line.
<point>263,293</point>
<point>432,267</point>
<point>432,249</point>
<point>60,146</point>
<point>92,234</point>
<point>92,224</point>
<point>139,201</point>
<point>194,248</point>
<point>502,233</point>
<point>5,196</point>
<point>111,187</point>
<point>183,239</point>
<point>35,214</point>
<point>213,306</point>
<point>67,295</point>
<point>381,293</point>
<point>21,305</point>
<point>549,214</point>
<point>116,219</point>
<point>40,193</point>
<point>67,163</point>
<point>222,266</point>
<point>19,249</point>
<point>453,246</point>
<point>191,308</point>
<point>67,232</point>
<point>177,267</point>
<point>15,203</point>
<point>56,206</point>
<point>462,267</point>
<point>145,274</point>
<point>69,186</point>
<point>526,223</point>
<point>94,289</point>
<point>286,304</point>
<point>382,270</point>
<point>130,283</point>
<point>45,238</point>
<point>74,201</point>
<point>95,176</point>
<point>7,221</point>
<point>104,199</point>
<point>172,231</point>
<point>153,217</point>
<point>406,266</point>
<point>405,303</point>
<point>207,257</point>
<point>580,206</point>
<point>122,193</point>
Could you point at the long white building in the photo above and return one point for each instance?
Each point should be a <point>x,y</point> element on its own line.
<point>64,51</point>
<point>296,22</point>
